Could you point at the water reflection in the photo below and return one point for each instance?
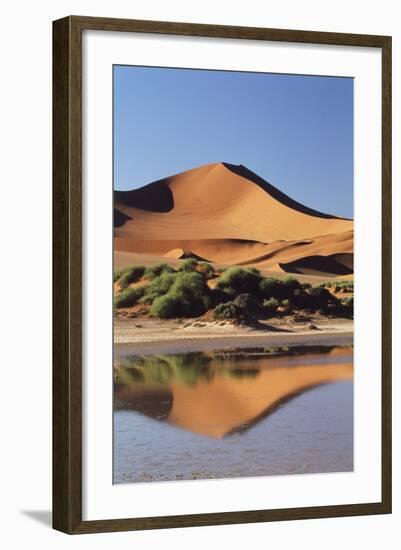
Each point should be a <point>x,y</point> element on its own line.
<point>221,393</point>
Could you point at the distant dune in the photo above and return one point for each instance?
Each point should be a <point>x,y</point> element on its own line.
<point>227,214</point>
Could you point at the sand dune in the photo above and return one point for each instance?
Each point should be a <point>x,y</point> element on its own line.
<point>227,214</point>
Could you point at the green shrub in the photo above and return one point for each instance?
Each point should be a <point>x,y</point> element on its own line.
<point>159,286</point>
<point>191,282</point>
<point>301,299</point>
<point>273,288</point>
<point>291,284</point>
<point>191,264</point>
<point>182,294</point>
<point>192,290</point>
<point>207,269</point>
<point>254,270</point>
<point>281,289</point>
<point>218,296</point>
<point>271,304</point>
<point>345,286</point>
<point>227,311</point>
<point>118,273</point>
<point>131,275</point>
<point>237,280</point>
<point>248,304</point>
<point>348,302</point>
<point>336,286</point>
<point>346,307</point>
<point>129,296</point>
<point>165,307</point>
<point>286,303</point>
<point>156,270</point>
<point>320,292</point>
<point>188,265</point>
<point>320,298</point>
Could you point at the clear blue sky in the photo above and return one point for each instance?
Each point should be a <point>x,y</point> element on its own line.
<point>294,131</point>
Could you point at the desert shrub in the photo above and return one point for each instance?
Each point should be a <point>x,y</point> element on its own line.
<point>248,304</point>
<point>346,307</point>
<point>192,290</point>
<point>117,274</point>
<point>320,292</point>
<point>159,286</point>
<point>320,297</point>
<point>156,270</point>
<point>301,299</point>
<point>129,296</point>
<point>281,289</point>
<point>131,275</point>
<point>348,302</point>
<point>207,269</point>
<point>271,304</point>
<point>237,280</point>
<point>218,296</point>
<point>182,294</point>
<point>191,264</point>
<point>229,310</point>
<point>336,286</point>
<point>165,307</point>
<point>286,303</point>
<point>273,288</point>
<point>345,286</point>
<point>291,284</point>
<point>324,284</point>
<point>188,265</point>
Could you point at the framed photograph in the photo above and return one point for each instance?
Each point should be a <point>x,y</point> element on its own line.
<point>222,274</point>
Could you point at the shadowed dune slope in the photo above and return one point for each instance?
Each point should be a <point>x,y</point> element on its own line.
<point>227,214</point>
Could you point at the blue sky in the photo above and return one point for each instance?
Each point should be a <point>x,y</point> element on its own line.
<point>294,131</point>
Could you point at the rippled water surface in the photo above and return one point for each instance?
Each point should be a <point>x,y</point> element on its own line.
<point>241,413</point>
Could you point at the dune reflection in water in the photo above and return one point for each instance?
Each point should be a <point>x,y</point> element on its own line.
<point>283,412</point>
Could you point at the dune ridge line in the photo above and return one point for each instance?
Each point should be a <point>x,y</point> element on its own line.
<point>227,214</point>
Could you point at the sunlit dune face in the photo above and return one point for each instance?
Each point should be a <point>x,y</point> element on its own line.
<point>226,214</point>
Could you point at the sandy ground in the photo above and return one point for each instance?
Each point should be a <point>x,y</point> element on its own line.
<point>153,336</point>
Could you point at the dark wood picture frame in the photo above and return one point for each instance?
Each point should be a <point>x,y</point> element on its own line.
<point>67,275</point>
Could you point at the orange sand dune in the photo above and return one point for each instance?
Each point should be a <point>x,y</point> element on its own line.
<point>227,214</point>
